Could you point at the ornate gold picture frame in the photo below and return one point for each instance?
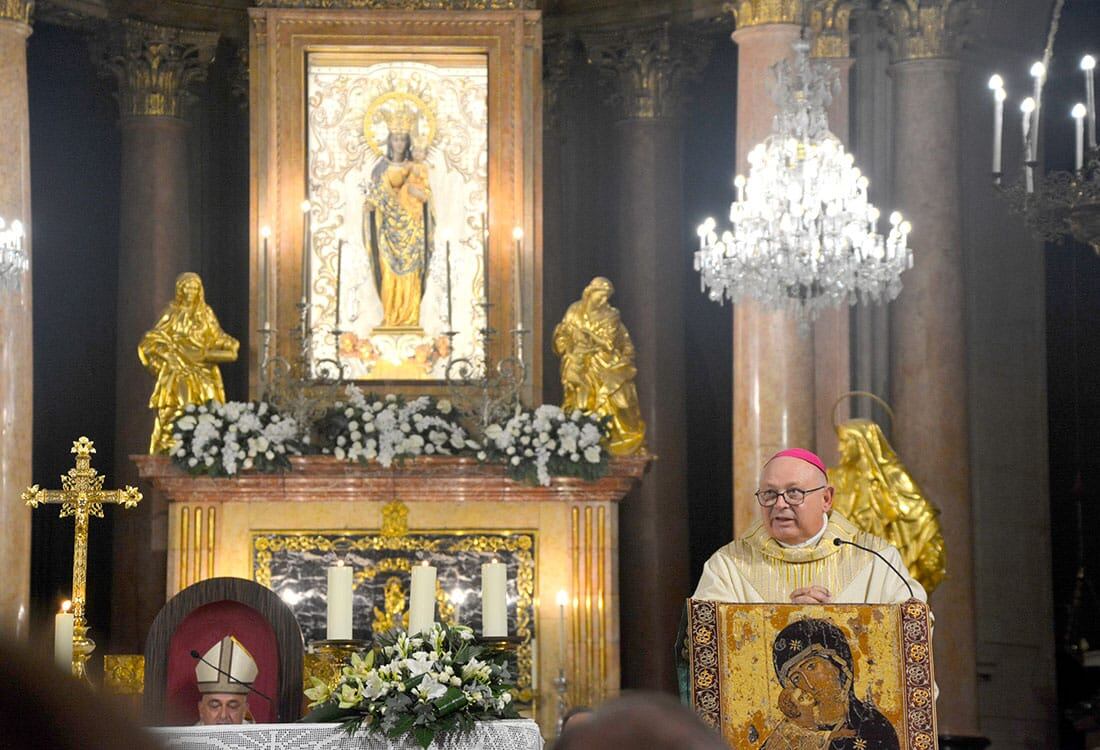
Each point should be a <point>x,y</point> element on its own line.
<point>388,252</point>
<point>791,677</point>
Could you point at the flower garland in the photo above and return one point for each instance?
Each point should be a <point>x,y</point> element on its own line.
<point>222,439</point>
<point>423,686</point>
<point>536,445</point>
<point>385,428</point>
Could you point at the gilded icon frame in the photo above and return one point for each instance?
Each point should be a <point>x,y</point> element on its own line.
<point>281,43</point>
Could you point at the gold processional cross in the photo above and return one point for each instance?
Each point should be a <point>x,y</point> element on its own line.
<point>81,496</point>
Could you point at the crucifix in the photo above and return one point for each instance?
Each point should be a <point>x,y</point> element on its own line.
<point>81,496</point>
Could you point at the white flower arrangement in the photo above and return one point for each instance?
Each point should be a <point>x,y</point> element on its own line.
<point>224,439</point>
<point>536,445</point>
<point>423,685</point>
<point>386,428</point>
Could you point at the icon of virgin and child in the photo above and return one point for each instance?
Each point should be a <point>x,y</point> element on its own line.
<point>398,219</point>
<point>813,662</point>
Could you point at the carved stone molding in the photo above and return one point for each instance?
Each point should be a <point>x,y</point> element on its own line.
<point>645,70</point>
<point>17,10</point>
<point>830,21</point>
<point>926,29</point>
<point>154,66</point>
<point>403,4</point>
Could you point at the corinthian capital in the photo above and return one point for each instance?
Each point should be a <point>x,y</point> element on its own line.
<point>16,10</point>
<point>829,22</point>
<point>925,29</point>
<point>645,69</point>
<point>759,12</point>
<point>154,65</point>
<point>560,56</point>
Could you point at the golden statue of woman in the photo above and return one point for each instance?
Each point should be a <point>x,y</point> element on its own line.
<point>874,491</point>
<point>397,218</point>
<point>597,366</point>
<point>184,350</point>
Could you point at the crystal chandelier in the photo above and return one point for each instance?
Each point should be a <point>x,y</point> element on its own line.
<point>13,256</point>
<point>1058,204</point>
<point>804,235</point>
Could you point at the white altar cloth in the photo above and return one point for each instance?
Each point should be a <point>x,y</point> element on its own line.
<point>514,734</point>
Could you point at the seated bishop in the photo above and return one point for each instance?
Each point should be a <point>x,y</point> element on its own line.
<point>225,675</point>
<point>792,554</point>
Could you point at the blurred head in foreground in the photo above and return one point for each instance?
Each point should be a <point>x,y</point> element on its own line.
<point>651,720</point>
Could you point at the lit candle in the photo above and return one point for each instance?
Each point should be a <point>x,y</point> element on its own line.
<point>739,183</point>
<point>1088,64</point>
<point>494,600</point>
<point>339,602</point>
<point>261,312</point>
<point>458,596</point>
<point>1027,107</point>
<point>1038,72</point>
<point>422,598</point>
<point>63,638</point>
<point>1078,113</point>
<point>996,83</point>
<point>485,253</point>
<point>563,599</point>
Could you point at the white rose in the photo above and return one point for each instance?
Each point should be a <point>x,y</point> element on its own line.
<point>592,454</point>
<point>444,406</point>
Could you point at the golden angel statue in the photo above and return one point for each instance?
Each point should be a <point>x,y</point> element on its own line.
<point>397,220</point>
<point>597,366</point>
<point>874,491</point>
<point>184,350</point>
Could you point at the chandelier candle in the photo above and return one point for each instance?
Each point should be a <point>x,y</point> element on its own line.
<point>1027,107</point>
<point>422,598</point>
<point>1088,65</point>
<point>338,596</point>
<point>996,84</point>
<point>1079,122</point>
<point>494,600</point>
<point>63,638</point>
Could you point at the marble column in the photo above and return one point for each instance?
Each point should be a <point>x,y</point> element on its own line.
<point>928,370</point>
<point>646,70</point>
<point>773,364</point>
<point>832,330</point>
<point>16,403</point>
<point>153,66</point>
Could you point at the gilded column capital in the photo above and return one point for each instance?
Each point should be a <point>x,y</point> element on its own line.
<point>925,29</point>
<point>154,65</point>
<point>17,10</point>
<point>748,13</point>
<point>645,70</point>
<point>830,21</point>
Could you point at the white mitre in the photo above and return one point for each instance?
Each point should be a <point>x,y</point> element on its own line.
<point>233,660</point>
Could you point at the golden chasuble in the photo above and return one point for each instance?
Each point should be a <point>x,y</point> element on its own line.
<point>774,571</point>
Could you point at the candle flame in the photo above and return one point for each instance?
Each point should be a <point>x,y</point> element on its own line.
<point>265,231</point>
<point>1038,70</point>
<point>66,606</point>
<point>517,234</point>
<point>1078,110</point>
<point>996,82</point>
<point>1088,62</point>
<point>305,206</point>
<point>563,598</point>
<point>1027,105</point>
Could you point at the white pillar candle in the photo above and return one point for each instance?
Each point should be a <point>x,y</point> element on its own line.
<point>996,84</point>
<point>1027,108</point>
<point>339,602</point>
<point>1038,72</point>
<point>563,599</point>
<point>261,311</point>
<point>1088,64</point>
<point>1079,123</point>
<point>517,277</point>
<point>494,600</point>
<point>422,598</point>
<point>63,638</point>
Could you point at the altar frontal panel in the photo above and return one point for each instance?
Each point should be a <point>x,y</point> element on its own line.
<point>789,677</point>
<point>294,565</point>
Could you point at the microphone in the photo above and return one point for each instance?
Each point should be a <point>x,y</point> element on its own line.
<point>838,541</point>
<point>196,655</point>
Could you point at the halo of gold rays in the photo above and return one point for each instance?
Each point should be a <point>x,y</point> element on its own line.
<point>386,105</point>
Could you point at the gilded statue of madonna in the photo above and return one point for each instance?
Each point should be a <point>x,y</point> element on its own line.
<point>876,492</point>
<point>183,351</point>
<point>398,220</point>
<point>597,366</point>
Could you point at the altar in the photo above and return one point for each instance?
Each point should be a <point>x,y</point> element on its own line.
<point>282,531</point>
<point>495,735</point>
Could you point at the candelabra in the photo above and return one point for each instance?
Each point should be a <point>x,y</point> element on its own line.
<point>300,385</point>
<point>1061,203</point>
<point>13,256</point>
<point>487,391</point>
